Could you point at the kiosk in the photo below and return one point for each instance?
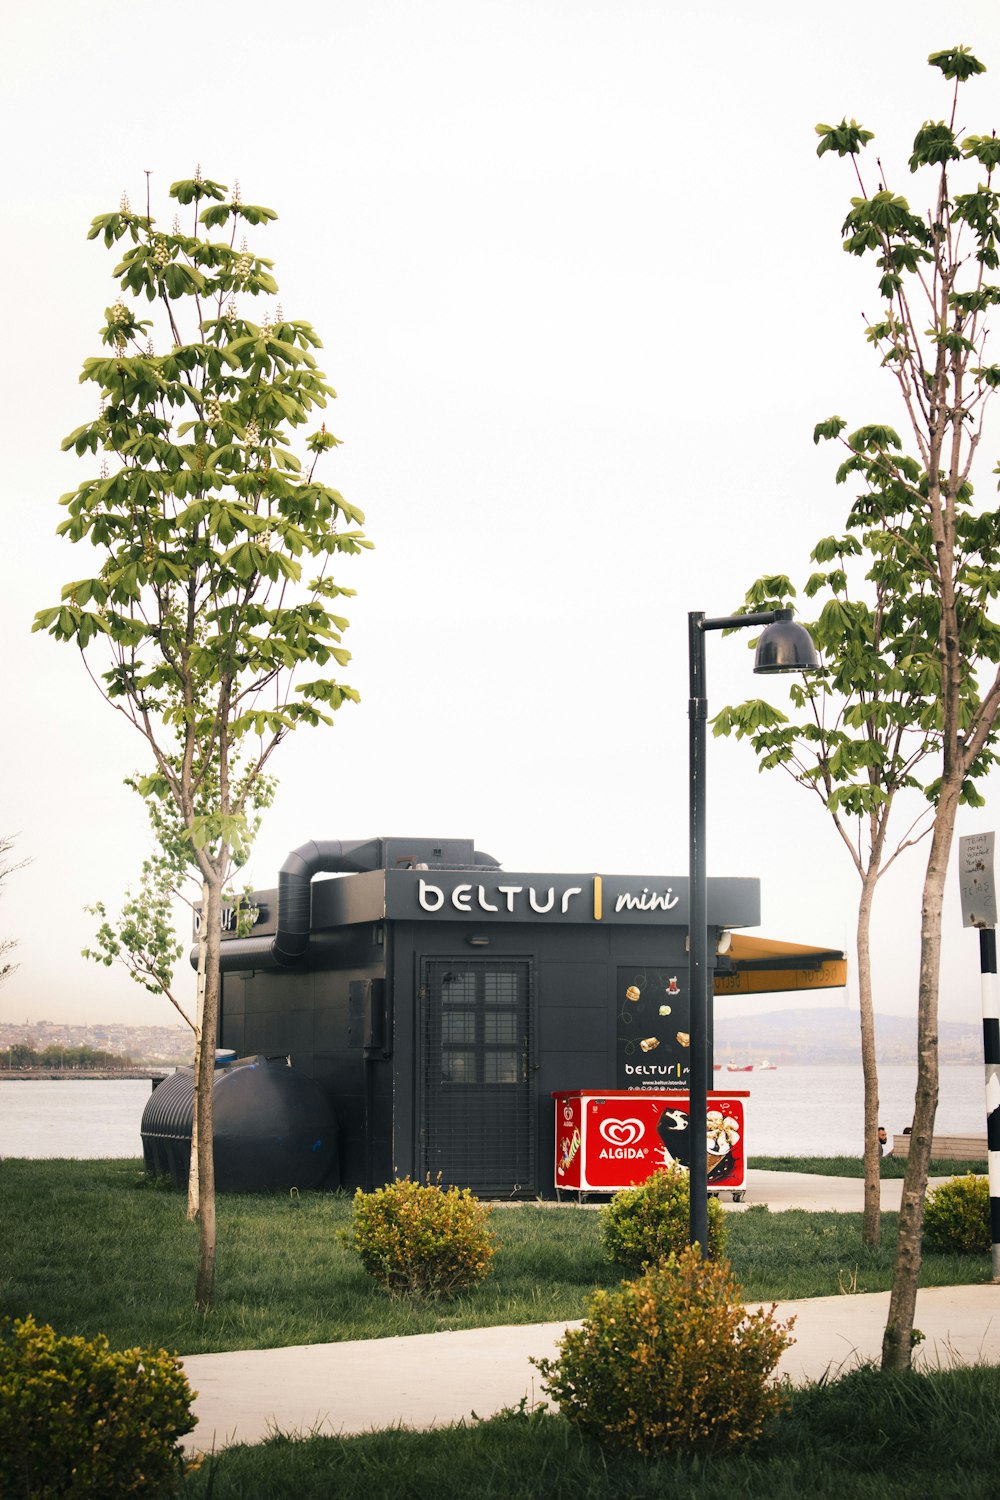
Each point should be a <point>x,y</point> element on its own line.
<point>441,1002</point>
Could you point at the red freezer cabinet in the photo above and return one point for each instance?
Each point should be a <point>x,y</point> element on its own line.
<point>613,1139</point>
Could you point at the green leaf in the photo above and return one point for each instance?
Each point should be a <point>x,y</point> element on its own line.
<point>846,139</point>
<point>193,189</point>
<point>983,148</point>
<point>957,63</point>
<point>831,428</point>
<point>934,145</point>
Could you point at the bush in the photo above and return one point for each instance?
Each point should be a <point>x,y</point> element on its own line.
<point>421,1240</point>
<point>643,1224</point>
<point>80,1419</point>
<point>670,1361</point>
<point>957,1216</point>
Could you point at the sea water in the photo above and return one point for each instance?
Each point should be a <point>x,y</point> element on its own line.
<point>792,1111</point>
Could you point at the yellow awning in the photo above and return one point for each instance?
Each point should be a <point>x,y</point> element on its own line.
<point>759,965</point>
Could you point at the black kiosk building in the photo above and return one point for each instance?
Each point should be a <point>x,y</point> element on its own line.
<point>440,1001</point>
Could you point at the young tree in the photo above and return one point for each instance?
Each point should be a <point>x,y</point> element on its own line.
<point>866,731</point>
<point>144,940</point>
<point>212,603</point>
<point>934,278</point>
<point>7,945</point>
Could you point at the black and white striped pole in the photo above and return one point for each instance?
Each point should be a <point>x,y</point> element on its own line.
<point>991,1059</point>
<point>979,909</point>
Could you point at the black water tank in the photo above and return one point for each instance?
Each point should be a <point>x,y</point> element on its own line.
<point>273,1127</point>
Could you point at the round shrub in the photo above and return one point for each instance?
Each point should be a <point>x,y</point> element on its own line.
<point>643,1224</point>
<point>79,1419</point>
<point>957,1216</point>
<point>421,1240</point>
<point>669,1362</point>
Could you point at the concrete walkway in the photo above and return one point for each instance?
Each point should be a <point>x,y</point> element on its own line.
<point>428,1380</point>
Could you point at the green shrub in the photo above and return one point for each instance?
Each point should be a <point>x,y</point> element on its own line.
<point>80,1419</point>
<point>670,1361</point>
<point>421,1240</point>
<point>643,1224</point>
<point>957,1216</point>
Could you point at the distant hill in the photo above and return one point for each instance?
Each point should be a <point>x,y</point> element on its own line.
<point>832,1035</point>
<point>143,1044</point>
<point>784,1036</point>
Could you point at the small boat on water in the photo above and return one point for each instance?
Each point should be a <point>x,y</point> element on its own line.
<point>735,1067</point>
<point>767,1067</point>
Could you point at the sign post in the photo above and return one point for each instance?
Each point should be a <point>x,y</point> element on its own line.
<point>979,909</point>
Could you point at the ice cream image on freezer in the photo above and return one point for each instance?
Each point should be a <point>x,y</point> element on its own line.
<point>722,1131</point>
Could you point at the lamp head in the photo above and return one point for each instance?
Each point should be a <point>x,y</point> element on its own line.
<point>786,647</point>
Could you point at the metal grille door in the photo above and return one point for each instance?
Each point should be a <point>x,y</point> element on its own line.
<point>477,1054</point>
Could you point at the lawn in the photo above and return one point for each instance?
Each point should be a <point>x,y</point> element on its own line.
<point>90,1247</point>
<point>865,1437</point>
<point>893,1167</point>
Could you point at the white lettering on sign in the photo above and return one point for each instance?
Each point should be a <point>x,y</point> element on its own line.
<point>622,1153</point>
<point>461,898</point>
<point>431,897</point>
<point>648,901</point>
<point>230,918</point>
<point>468,898</point>
<point>653,1070</point>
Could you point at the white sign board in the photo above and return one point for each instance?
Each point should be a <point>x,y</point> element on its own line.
<point>975,875</point>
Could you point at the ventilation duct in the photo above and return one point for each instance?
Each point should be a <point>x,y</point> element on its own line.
<point>289,944</point>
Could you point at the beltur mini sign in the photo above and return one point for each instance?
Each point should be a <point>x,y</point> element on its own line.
<point>501,896</point>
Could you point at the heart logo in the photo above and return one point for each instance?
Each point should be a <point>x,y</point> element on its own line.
<point>621,1132</point>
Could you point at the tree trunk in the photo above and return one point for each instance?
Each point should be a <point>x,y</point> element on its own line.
<point>871,1226</point>
<point>897,1342</point>
<point>193,1200</point>
<point>204,1082</point>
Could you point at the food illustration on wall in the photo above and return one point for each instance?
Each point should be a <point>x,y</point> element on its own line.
<point>653,1030</point>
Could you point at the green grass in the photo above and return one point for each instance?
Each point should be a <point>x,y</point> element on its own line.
<point>853,1166</point>
<point>87,1249</point>
<point>865,1437</point>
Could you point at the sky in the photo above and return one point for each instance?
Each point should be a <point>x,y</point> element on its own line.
<point>578,276</point>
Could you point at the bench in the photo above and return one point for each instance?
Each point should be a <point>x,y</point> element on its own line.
<point>947,1147</point>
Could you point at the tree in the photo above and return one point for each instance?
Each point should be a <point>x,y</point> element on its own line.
<point>866,728</point>
<point>941,550</point>
<point>144,939</point>
<point>7,945</point>
<point>201,625</point>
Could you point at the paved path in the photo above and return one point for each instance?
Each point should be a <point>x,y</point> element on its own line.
<point>430,1379</point>
<point>433,1378</point>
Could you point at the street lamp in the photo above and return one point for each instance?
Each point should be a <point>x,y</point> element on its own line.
<point>783,647</point>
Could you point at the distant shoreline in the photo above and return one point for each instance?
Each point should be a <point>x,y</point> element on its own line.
<point>83,1075</point>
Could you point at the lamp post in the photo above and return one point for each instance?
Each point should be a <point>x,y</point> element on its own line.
<point>783,647</point>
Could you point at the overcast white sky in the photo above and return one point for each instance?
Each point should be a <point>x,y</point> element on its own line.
<point>578,274</point>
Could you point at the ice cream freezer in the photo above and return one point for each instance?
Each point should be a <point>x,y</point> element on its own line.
<point>610,1139</point>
